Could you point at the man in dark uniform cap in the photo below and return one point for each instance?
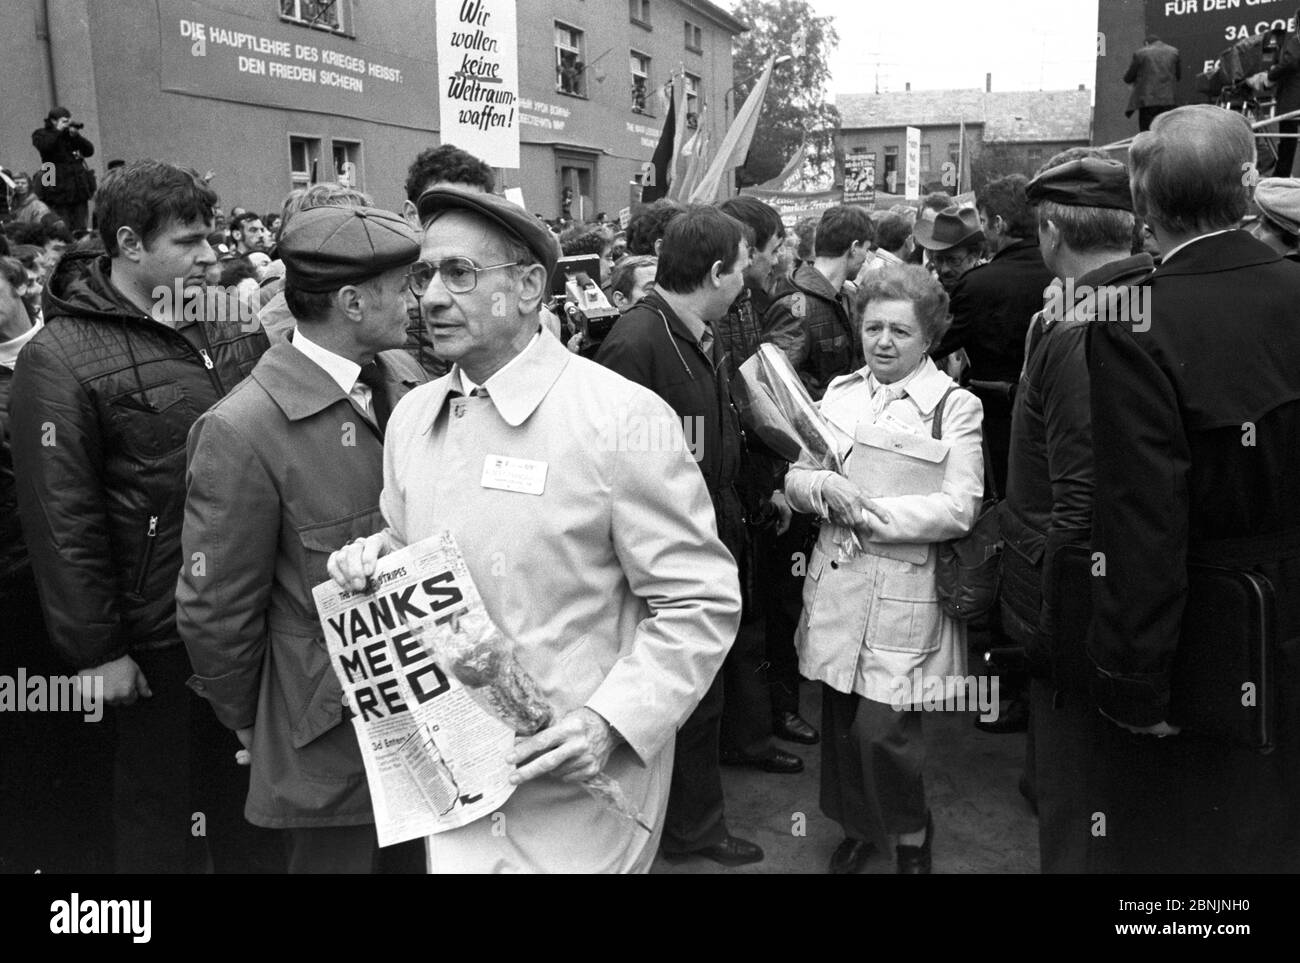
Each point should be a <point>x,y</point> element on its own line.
<point>285,470</point>
<point>1196,412</point>
<point>1085,229</point>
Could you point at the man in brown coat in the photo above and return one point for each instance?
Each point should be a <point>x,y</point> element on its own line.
<point>284,472</point>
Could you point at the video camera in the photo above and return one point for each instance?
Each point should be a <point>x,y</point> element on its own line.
<point>588,311</point>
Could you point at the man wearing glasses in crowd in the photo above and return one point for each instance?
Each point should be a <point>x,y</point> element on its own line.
<point>597,556</point>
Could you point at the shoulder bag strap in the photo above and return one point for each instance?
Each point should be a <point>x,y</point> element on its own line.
<point>936,432</point>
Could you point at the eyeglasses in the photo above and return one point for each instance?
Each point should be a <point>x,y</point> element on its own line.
<point>459,274</point>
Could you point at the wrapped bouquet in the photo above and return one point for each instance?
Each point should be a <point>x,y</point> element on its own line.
<point>473,650</point>
<point>774,404</point>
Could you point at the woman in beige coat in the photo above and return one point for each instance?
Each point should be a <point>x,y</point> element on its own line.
<point>872,630</point>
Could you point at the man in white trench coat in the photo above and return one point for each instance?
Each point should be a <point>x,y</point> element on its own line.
<point>586,526</point>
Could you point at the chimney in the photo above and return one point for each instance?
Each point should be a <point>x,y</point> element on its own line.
<point>908,87</point>
<point>988,83</point>
<point>1082,87</point>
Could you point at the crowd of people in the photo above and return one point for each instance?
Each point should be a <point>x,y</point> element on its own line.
<point>1108,347</point>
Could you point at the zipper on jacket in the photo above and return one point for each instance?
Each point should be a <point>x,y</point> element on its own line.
<point>207,361</point>
<point>151,538</point>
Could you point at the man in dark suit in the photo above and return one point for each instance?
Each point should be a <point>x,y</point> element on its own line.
<point>287,470</point>
<point>1196,416</point>
<point>666,343</point>
<point>1154,74</point>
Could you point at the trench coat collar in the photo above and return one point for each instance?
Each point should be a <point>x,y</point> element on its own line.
<point>516,391</point>
<point>925,389</point>
<point>297,384</point>
<point>302,388</point>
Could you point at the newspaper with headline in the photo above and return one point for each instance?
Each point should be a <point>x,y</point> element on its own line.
<point>434,759</point>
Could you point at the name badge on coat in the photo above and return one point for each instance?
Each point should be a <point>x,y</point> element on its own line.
<point>514,474</point>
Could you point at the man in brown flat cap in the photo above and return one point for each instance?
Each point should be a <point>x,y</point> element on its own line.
<point>285,471</point>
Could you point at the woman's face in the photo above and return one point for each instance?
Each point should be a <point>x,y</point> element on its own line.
<point>892,339</point>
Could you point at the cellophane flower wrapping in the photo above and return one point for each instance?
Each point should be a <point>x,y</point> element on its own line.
<point>474,651</point>
<point>776,406</point>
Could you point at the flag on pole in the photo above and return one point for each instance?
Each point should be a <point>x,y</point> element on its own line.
<point>735,146</point>
<point>695,157</point>
<point>656,174</point>
<point>781,182</point>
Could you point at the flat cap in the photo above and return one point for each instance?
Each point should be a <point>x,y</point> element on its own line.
<point>947,229</point>
<point>511,218</point>
<point>324,248</point>
<point>1279,200</point>
<point>1086,182</point>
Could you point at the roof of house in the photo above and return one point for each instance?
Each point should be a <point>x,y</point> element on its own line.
<point>718,15</point>
<point>1008,116</point>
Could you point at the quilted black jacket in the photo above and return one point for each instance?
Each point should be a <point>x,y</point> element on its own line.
<point>103,399</point>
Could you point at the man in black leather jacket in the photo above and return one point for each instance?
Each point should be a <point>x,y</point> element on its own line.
<point>102,402</point>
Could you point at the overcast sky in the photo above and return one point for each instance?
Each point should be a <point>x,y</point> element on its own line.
<point>1025,44</point>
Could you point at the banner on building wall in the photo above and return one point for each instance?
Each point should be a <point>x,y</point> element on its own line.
<point>478,78</point>
<point>912,175</point>
<point>210,53</point>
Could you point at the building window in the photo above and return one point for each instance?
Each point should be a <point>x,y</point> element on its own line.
<point>857,150</point>
<point>640,81</point>
<point>577,186</point>
<point>304,160</point>
<point>925,157</point>
<point>1035,157</point>
<point>692,101</point>
<point>347,162</point>
<point>694,38</point>
<point>954,153</point>
<point>570,76</point>
<point>322,14</point>
<point>638,12</point>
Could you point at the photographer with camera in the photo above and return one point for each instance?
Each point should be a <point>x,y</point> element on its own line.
<point>69,186</point>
